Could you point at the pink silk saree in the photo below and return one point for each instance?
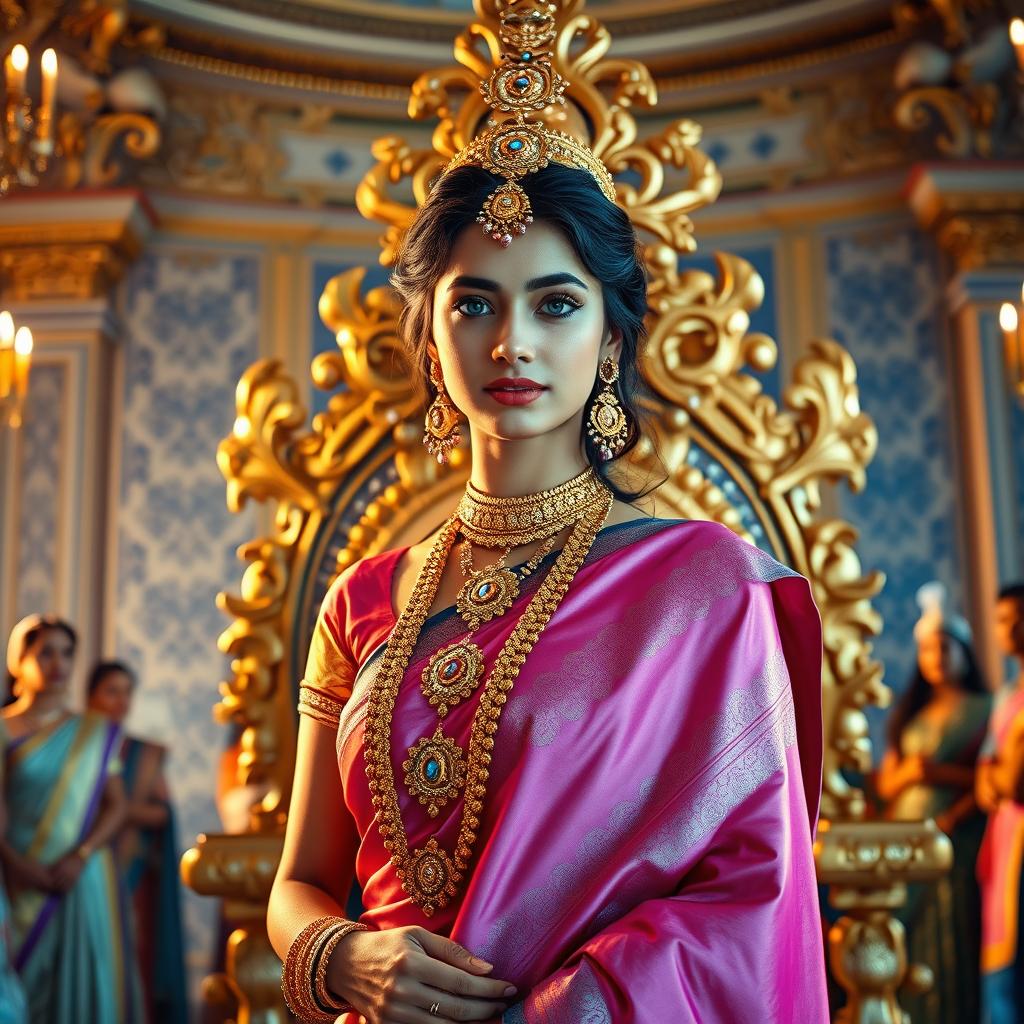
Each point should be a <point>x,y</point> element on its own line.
<point>645,851</point>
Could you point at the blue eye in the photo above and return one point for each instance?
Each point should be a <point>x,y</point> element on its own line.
<point>560,306</point>
<point>473,305</point>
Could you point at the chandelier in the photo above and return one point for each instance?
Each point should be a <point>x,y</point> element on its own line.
<point>27,141</point>
<point>15,361</point>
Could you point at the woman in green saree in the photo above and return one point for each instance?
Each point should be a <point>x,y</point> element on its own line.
<point>65,802</point>
<point>12,998</point>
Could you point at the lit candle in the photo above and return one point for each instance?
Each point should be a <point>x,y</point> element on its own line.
<point>6,354</point>
<point>15,67</point>
<point>1008,321</point>
<point>49,67</point>
<point>1017,38</point>
<point>22,360</point>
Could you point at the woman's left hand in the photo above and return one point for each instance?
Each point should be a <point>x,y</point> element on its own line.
<point>67,870</point>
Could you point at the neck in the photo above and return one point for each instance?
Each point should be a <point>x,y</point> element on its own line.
<point>507,469</point>
<point>39,705</point>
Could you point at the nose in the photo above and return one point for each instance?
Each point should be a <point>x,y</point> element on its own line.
<point>513,342</point>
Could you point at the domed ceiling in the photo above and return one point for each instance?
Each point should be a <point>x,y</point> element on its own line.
<point>393,40</point>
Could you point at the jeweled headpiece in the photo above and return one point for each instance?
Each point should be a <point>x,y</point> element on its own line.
<point>523,82</point>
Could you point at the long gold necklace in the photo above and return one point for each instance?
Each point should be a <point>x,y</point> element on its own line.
<point>430,874</point>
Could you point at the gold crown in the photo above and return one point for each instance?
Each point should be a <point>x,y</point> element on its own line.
<point>523,82</point>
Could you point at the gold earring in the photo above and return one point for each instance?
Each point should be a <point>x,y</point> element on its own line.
<point>609,427</point>
<point>442,422</point>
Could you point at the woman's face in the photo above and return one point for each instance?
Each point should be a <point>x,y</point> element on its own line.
<point>519,333</point>
<point>1009,626</point>
<point>113,696</point>
<point>46,665</point>
<point>940,659</point>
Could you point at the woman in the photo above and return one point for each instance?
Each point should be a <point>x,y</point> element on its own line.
<point>571,753</point>
<point>935,734</point>
<point>65,803</point>
<point>146,851</point>
<point>1000,792</point>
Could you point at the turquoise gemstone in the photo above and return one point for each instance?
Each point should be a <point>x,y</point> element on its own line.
<point>515,145</point>
<point>451,669</point>
<point>527,56</point>
<point>522,83</point>
<point>432,769</point>
<point>484,589</point>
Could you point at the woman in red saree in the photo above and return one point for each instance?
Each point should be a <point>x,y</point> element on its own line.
<point>578,784</point>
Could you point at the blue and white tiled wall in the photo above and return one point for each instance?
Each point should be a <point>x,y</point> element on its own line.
<point>191,321</point>
<point>884,305</point>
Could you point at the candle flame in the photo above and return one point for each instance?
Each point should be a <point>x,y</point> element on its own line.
<point>6,329</point>
<point>23,342</point>
<point>49,62</point>
<point>1017,31</point>
<point>19,58</point>
<point>1008,317</point>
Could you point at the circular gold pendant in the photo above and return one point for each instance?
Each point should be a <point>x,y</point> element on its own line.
<point>487,594</point>
<point>431,877</point>
<point>435,771</point>
<point>452,675</point>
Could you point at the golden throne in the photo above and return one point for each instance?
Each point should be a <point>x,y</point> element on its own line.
<point>358,482</point>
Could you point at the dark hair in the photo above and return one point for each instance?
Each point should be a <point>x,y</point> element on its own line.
<point>32,635</point>
<point>1011,592</point>
<point>919,692</point>
<point>104,669</point>
<point>599,231</point>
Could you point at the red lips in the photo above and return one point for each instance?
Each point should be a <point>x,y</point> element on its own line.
<point>515,390</point>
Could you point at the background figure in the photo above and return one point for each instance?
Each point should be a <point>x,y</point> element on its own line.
<point>1000,790</point>
<point>147,852</point>
<point>12,997</point>
<point>935,735</point>
<point>65,802</point>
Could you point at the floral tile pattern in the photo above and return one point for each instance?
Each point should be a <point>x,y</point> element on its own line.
<point>191,325</point>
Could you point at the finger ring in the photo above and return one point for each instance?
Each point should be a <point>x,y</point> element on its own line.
<point>434,1009</point>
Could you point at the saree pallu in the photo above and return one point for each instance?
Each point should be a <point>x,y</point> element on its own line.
<point>69,949</point>
<point>1000,864</point>
<point>644,854</point>
<point>12,996</point>
<point>148,860</point>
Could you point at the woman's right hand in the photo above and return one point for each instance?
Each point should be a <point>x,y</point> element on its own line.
<point>395,976</point>
<point>26,873</point>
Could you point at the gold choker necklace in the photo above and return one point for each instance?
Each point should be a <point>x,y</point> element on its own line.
<point>492,522</point>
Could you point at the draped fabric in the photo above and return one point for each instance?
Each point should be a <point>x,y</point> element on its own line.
<point>12,996</point>
<point>645,848</point>
<point>69,949</point>
<point>148,860</point>
<point>1000,866</point>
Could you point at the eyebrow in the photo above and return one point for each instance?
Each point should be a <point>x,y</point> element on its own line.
<point>535,283</point>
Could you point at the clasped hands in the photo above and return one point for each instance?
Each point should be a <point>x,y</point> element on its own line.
<point>397,975</point>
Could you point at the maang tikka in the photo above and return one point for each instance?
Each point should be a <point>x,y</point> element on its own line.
<point>441,432</point>
<point>609,427</point>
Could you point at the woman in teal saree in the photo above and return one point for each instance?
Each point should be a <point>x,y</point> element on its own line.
<point>65,801</point>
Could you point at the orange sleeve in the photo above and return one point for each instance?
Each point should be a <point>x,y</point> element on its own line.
<point>330,667</point>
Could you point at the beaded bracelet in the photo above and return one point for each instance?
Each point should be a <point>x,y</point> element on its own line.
<point>306,965</point>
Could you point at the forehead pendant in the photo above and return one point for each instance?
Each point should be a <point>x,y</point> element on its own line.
<point>523,83</point>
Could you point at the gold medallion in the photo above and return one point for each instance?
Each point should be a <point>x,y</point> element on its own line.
<point>431,877</point>
<point>487,594</point>
<point>452,675</point>
<point>435,771</point>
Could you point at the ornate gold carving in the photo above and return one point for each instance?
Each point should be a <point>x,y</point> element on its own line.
<point>959,92</point>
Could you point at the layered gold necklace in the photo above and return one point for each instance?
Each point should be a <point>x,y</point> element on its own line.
<point>436,770</point>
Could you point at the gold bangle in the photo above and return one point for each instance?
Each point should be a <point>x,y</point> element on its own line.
<point>321,993</point>
<point>297,977</point>
<point>84,850</point>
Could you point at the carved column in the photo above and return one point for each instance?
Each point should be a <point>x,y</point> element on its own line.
<point>61,257</point>
<point>976,214</point>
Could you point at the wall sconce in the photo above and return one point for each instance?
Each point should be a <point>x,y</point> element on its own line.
<point>26,142</point>
<point>15,362</point>
<point>1011,320</point>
